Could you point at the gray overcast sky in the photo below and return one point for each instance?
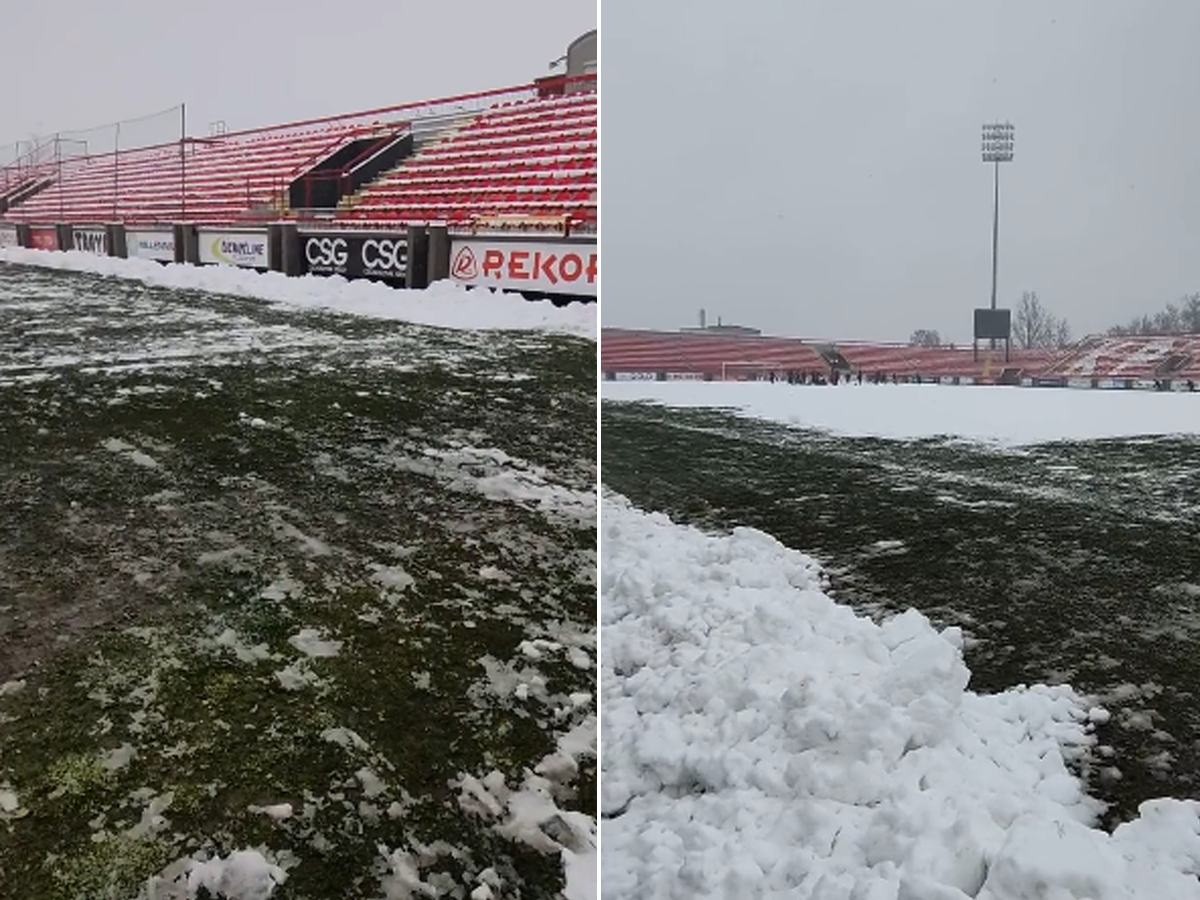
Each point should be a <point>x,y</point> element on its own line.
<point>830,151</point>
<point>262,62</point>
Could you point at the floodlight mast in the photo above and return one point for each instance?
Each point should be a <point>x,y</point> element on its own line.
<point>998,139</point>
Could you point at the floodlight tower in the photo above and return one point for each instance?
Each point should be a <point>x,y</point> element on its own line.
<point>997,148</point>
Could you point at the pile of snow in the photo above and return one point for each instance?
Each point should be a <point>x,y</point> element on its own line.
<point>442,305</point>
<point>1007,416</point>
<point>760,740</point>
<point>243,875</point>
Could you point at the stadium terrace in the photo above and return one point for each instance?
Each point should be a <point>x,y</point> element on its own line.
<point>496,189</point>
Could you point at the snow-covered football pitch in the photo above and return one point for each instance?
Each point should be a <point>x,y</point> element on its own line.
<point>919,642</point>
<point>293,603</point>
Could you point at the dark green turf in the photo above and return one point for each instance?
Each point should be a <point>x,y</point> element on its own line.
<point>116,577</point>
<point>1066,562</point>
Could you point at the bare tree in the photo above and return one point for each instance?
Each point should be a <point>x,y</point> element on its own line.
<point>1189,314</point>
<point>925,337</point>
<point>1035,327</point>
<point>1183,318</point>
<point>1062,333</point>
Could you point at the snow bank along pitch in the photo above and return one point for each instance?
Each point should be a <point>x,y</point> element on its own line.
<point>442,305</point>
<point>1002,415</point>
<point>290,598</point>
<point>760,740</point>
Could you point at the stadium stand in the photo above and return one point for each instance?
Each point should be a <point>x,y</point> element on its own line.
<point>1138,358</point>
<point>725,357</point>
<point>711,356</point>
<point>1162,361</point>
<point>939,362</point>
<point>527,153</point>
<point>534,157</point>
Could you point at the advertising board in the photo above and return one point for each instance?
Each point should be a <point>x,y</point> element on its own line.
<point>8,236</point>
<point>156,245</point>
<point>353,255</point>
<point>90,240</point>
<point>247,249</point>
<point>552,267</point>
<point>43,238</point>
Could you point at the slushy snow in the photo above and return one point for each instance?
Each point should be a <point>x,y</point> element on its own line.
<point>762,741</point>
<point>1007,416</point>
<point>442,305</point>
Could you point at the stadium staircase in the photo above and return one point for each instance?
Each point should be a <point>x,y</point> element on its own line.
<point>834,359</point>
<point>22,189</point>
<point>1071,357</point>
<point>27,175</point>
<point>428,132</point>
<point>1173,365</point>
<point>318,185</point>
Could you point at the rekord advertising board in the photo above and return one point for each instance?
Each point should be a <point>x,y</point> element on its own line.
<point>552,267</point>
<point>8,236</point>
<point>156,245</point>
<point>379,256</point>
<point>247,249</point>
<point>90,240</point>
<point>43,238</point>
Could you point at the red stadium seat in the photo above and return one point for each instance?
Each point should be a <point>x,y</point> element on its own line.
<point>527,156</point>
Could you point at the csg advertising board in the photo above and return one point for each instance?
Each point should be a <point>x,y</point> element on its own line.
<point>553,267</point>
<point>90,240</point>
<point>354,255</point>
<point>43,238</point>
<point>156,245</point>
<point>247,249</point>
<point>8,236</point>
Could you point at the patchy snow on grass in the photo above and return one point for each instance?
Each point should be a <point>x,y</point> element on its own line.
<point>393,578</point>
<point>130,452</point>
<point>260,576</point>
<point>309,545</point>
<point>312,643</point>
<point>9,802</point>
<point>119,758</point>
<point>300,676</point>
<point>346,738</point>
<point>230,640</point>
<point>279,811</point>
<point>502,478</point>
<point>531,815</point>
